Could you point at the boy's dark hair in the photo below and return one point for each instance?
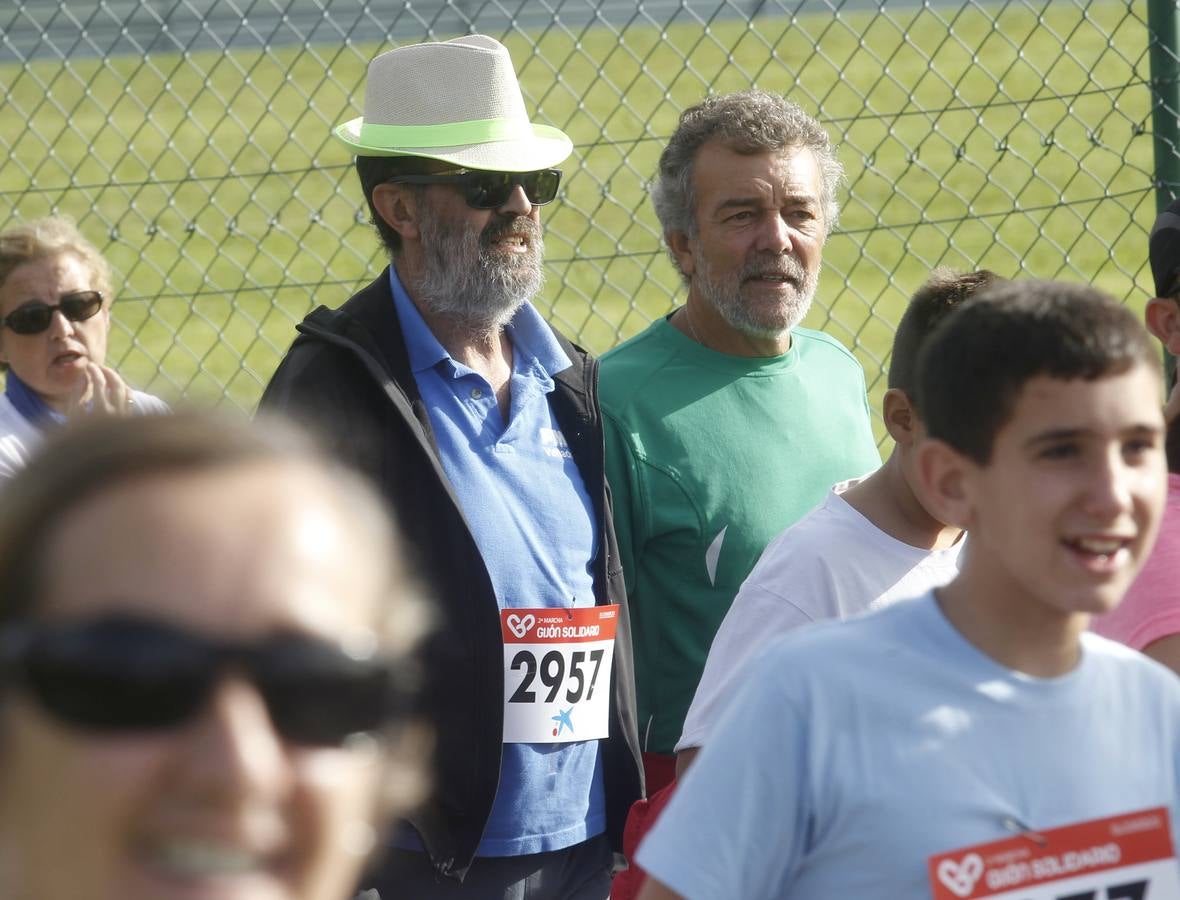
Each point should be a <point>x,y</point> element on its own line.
<point>972,369</point>
<point>942,292</point>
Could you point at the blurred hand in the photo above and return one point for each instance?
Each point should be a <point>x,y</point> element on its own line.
<point>100,391</point>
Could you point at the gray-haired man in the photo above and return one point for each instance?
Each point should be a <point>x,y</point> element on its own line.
<point>725,421</point>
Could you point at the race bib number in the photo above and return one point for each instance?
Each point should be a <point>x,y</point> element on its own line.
<point>557,665</point>
<point>1127,857</point>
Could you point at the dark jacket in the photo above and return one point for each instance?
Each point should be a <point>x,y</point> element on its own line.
<point>348,373</point>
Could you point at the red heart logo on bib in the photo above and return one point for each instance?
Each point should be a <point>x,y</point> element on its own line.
<point>520,626</point>
<point>960,877</point>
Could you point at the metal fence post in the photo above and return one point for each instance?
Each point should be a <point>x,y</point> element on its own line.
<point>1163,24</point>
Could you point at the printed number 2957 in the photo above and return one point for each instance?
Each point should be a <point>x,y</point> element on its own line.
<point>552,673</point>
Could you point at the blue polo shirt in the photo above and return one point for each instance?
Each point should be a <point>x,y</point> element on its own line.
<point>533,521</point>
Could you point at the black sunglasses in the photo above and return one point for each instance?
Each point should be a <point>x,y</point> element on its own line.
<point>33,318</point>
<point>490,190</point>
<point>127,674</point>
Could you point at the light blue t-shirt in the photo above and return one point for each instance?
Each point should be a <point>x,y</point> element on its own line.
<point>857,750</point>
<point>533,522</point>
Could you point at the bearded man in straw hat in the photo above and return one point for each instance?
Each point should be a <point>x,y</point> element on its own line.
<point>481,426</point>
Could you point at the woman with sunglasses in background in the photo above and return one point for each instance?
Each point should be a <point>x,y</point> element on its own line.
<point>206,640</point>
<point>55,315</point>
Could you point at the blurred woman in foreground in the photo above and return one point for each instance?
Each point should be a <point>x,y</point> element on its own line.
<point>204,642</point>
<point>55,315</point>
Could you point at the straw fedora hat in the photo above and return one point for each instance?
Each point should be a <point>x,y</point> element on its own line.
<point>457,101</point>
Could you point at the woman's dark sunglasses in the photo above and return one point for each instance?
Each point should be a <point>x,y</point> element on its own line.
<point>33,318</point>
<point>490,190</point>
<point>129,674</point>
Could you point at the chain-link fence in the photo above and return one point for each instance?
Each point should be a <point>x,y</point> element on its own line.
<point>190,140</point>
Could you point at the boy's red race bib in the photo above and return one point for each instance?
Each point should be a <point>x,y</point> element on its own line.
<point>1127,857</point>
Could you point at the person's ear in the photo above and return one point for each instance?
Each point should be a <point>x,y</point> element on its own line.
<point>1163,320</point>
<point>681,247</point>
<point>900,418</point>
<point>945,482</point>
<point>397,205</point>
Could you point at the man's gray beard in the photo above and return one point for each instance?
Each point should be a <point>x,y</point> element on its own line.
<point>476,289</point>
<point>725,295</point>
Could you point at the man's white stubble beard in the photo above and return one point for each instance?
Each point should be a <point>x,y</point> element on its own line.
<point>476,288</point>
<point>724,294</point>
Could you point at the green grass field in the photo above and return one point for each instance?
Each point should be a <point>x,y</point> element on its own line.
<point>1015,138</point>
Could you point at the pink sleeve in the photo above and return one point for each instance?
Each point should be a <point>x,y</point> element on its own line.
<point>1151,608</point>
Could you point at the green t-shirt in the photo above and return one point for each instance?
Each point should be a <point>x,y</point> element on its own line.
<point>710,456</point>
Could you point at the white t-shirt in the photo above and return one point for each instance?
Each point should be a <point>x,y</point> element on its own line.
<point>18,436</point>
<point>857,750</point>
<point>832,564</point>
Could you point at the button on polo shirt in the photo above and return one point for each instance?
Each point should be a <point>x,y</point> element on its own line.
<point>533,521</point>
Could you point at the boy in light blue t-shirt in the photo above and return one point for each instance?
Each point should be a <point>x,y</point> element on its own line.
<point>970,742</point>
